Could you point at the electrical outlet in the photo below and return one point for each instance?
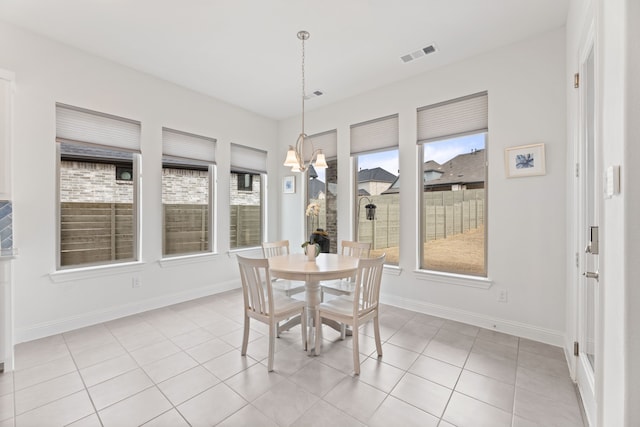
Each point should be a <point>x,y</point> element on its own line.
<point>135,282</point>
<point>502,295</point>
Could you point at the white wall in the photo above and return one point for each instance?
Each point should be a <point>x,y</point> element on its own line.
<point>526,218</point>
<point>47,72</point>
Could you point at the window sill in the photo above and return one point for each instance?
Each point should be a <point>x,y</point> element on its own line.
<point>187,259</point>
<point>61,276</point>
<point>454,279</point>
<point>393,270</point>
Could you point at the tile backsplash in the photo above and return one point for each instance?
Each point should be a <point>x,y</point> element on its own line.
<point>6,225</point>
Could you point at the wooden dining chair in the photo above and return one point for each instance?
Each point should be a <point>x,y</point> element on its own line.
<point>346,286</point>
<point>281,247</point>
<point>356,311</point>
<point>261,304</point>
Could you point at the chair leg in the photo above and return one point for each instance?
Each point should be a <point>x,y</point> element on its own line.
<point>272,344</point>
<point>277,329</point>
<point>245,336</point>
<point>376,329</point>
<point>356,350</point>
<point>343,331</point>
<point>318,325</point>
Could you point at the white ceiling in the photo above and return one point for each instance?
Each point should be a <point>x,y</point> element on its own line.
<point>246,52</point>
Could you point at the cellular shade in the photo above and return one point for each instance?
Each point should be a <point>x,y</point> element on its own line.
<point>188,146</point>
<point>327,142</point>
<point>457,117</point>
<point>247,159</point>
<point>80,125</point>
<point>375,135</point>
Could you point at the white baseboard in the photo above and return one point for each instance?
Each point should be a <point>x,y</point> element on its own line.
<point>87,319</point>
<point>46,329</point>
<point>547,336</point>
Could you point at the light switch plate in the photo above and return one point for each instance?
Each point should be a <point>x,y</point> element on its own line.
<point>612,181</point>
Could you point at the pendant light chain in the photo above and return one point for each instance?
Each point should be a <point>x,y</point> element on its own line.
<point>303,38</point>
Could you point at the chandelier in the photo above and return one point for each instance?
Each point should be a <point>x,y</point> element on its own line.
<point>295,156</point>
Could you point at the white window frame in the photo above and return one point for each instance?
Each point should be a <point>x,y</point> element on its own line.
<point>245,159</point>
<point>179,145</point>
<point>443,132</point>
<point>98,134</point>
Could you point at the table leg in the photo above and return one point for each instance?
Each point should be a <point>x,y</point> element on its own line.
<point>312,289</point>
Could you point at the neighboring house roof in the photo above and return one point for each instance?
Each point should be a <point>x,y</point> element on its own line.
<point>376,174</point>
<point>315,188</point>
<point>394,187</point>
<point>363,192</point>
<point>431,165</point>
<point>463,169</point>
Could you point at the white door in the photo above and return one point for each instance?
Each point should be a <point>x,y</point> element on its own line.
<point>590,200</point>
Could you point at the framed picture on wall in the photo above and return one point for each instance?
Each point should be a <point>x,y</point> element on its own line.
<point>524,160</point>
<point>289,184</point>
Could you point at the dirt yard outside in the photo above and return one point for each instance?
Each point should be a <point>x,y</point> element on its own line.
<point>462,253</point>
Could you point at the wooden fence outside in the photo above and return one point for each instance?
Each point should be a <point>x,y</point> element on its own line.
<point>446,213</point>
<point>246,229</point>
<point>102,232</point>
<point>186,228</point>
<point>95,232</point>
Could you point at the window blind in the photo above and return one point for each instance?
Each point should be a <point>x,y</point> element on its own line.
<point>247,159</point>
<point>80,125</point>
<point>375,135</point>
<point>188,146</point>
<point>327,142</point>
<point>457,117</point>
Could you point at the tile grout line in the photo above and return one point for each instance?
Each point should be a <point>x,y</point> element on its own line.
<point>86,389</point>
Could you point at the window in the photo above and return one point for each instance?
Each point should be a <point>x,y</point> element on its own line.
<point>374,147</point>
<point>98,212</point>
<point>124,173</point>
<point>452,137</point>
<point>188,170</point>
<point>322,188</point>
<point>246,207</point>
<point>245,182</point>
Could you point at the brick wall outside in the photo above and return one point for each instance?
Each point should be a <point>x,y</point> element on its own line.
<point>92,182</point>
<point>184,186</point>
<point>96,182</point>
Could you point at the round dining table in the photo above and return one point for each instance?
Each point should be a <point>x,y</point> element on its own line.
<point>324,267</point>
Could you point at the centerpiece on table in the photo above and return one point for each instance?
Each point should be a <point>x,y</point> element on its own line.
<point>312,246</point>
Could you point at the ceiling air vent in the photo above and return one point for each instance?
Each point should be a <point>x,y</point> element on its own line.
<point>314,94</point>
<point>419,53</point>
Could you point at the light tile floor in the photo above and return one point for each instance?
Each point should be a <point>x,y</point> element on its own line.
<point>181,366</point>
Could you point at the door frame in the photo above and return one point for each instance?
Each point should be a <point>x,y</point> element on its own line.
<point>587,382</point>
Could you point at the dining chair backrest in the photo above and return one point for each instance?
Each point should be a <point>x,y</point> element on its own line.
<point>356,249</point>
<point>367,289</point>
<point>256,285</point>
<point>271,249</point>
